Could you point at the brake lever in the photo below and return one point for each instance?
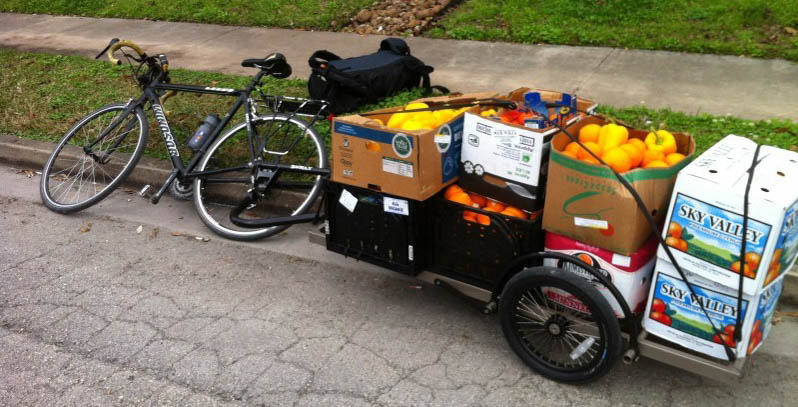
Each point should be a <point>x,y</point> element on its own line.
<point>113,41</point>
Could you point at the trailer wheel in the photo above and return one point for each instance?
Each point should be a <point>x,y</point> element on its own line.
<point>575,339</point>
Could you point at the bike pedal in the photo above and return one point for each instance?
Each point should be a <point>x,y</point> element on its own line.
<point>146,191</point>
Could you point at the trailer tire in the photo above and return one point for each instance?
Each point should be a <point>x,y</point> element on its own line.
<point>561,343</point>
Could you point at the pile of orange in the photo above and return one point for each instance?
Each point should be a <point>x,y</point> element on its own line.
<point>612,143</point>
<point>674,238</point>
<point>457,194</point>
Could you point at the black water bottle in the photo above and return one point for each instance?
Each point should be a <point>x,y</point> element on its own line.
<point>205,129</point>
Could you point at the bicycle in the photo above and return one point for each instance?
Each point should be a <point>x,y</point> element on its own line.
<point>255,180</point>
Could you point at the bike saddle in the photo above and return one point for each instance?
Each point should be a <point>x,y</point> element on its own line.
<point>275,63</point>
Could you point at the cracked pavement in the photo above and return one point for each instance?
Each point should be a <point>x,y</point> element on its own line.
<point>109,316</point>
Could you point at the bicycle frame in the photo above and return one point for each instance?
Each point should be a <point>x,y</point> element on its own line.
<point>181,170</point>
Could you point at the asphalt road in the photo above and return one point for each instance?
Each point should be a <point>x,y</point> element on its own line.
<point>94,313</point>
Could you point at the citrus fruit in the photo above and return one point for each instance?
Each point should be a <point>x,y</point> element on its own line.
<point>590,160</point>
<point>635,154</point>
<point>397,120</point>
<point>675,230</point>
<point>589,133</point>
<point>652,155</point>
<point>656,164</point>
<point>478,199</point>
<point>753,259</point>
<point>454,189</point>
<point>462,198</point>
<point>413,124</point>
<point>674,158</point>
<point>572,147</point>
<point>494,206</point>
<point>617,159</point>
<point>513,211</point>
<point>595,148</point>
<point>570,154</point>
<point>470,216</point>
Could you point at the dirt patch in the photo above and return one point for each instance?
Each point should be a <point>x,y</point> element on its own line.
<point>399,17</point>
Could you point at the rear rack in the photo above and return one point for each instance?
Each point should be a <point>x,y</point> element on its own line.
<point>295,105</point>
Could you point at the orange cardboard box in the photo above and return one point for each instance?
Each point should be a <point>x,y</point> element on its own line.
<point>587,203</point>
<point>411,164</point>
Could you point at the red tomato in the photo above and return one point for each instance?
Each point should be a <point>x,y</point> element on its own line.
<point>658,305</point>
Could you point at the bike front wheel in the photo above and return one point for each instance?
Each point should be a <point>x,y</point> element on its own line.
<point>93,158</point>
<point>232,175</point>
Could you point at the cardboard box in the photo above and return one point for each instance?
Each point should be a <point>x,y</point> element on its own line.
<point>674,314</point>
<point>631,275</point>
<point>410,164</point>
<point>587,203</point>
<point>508,162</point>
<point>705,215</point>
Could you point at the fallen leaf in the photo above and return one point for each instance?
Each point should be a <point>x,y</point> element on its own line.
<point>177,234</point>
<point>139,229</point>
<point>790,30</point>
<point>129,191</point>
<point>85,228</point>
<point>27,173</point>
<point>154,232</point>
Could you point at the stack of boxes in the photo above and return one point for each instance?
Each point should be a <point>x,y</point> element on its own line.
<point>704,229</point>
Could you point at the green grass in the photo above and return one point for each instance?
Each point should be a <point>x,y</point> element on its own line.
<point>45,94</point>
<point>736,27</point>
<point>308,14</point>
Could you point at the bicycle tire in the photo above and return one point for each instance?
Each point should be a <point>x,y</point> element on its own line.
<point>221,201</point>
<point>529,327</point>
<point>53,196</point>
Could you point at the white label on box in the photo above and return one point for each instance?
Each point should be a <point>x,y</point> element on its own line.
<point>621,260</point>
<point>349,173</point>
<point>348,200</point>
<point>502,150</point>
<point>591,223</point>
<point>398,167</point>
<point>397,206</point>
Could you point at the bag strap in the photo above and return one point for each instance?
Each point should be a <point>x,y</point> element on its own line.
<point>414,64</point>
<point>321,57</point>
<point>395,45</point>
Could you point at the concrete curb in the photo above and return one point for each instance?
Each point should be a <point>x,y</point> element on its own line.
<point>33,153</point>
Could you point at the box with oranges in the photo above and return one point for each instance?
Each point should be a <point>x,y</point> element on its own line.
<point>475,239</point>
<point>705,219</point>
<point>586,202</point>
<point>411,155</point>
<point>675,314</point>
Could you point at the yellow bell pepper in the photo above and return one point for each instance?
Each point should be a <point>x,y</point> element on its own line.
<point>612,135</point>
<point>661,140</point>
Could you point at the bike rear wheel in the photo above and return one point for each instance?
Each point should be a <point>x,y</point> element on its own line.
<point>289,141</point>
<point>93,158</point>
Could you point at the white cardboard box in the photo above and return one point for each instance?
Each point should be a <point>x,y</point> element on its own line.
<point>707,206</point>
<point>673,313</point>
<point>506,151</point>
<point>631,275</point>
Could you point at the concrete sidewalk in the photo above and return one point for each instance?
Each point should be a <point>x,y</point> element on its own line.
<point>744,87</point>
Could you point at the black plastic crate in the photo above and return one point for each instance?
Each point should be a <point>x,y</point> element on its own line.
<point>475,253</point>
<point>371,234</point>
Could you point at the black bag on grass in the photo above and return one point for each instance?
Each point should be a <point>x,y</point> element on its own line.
<point>353,82</point>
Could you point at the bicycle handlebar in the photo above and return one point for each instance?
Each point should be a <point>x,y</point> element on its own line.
<point>115,45</point>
